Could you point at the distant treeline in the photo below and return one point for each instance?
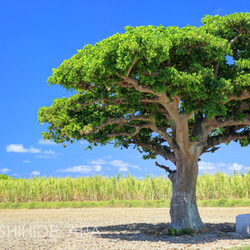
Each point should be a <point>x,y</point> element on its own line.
<point>100,188</point>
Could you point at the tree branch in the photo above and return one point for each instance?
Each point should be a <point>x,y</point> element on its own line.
<point>226,123</point>
<point>172,173</point>
<point>179,125</point>
<point>235,38</point>
<point>211,150</point>
<point>242,96</point>
<point>131,82</point>
<point>242,107</point>
<point>166,168</point>
<point>131,67</point>
<point>85,85</point>
<point>216,69</point>
<point>164,151</point>
<point>84,105</point>
<point>137,129</point>
<point>121,121</point>
<point>239,32</point>
<point>217,140</point>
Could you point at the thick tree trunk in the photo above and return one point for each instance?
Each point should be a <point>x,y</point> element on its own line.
<point>183,210</point>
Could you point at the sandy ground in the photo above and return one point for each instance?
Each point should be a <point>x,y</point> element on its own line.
<point>113,228</point>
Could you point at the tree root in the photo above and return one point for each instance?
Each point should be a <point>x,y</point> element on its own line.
<point>157,231</point>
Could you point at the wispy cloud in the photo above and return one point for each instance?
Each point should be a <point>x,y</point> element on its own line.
<point>206,165</point>
<point>4,170</point>
<point>19,148</point>
<point>219,10</point>
<point>221,166</point>
<point>121,165</point>
<point>16,175</point>
<point>98,168</point>
<point>49,143</point>
<point>34,173</point>
<point>135,166</point>
<point>235,167</point>
<point>81,169</point>
<point>98,162</point>
<point>107,157</point>
<point>82,142</point>
<point>49,152</point>
<point>123,169</point>
<point>47,156</point>
<point>26,161</point>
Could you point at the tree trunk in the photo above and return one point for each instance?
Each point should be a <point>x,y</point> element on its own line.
<point>183,210</point>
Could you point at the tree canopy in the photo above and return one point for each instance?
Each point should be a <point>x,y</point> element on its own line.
<point>163,90</point>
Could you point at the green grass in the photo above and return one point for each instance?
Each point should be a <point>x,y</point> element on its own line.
<point>99,188</point>
<point>120,203</point>
<point>241,248</point>
<point>224,203</point>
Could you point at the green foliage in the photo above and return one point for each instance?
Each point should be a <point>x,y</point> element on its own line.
<point>4,177</point>
<point>178,62</point>
<point>177,232</point>
<point>241,248</point>
<point>223,186</point>
<point>119,203</point>
<point>100,188</point>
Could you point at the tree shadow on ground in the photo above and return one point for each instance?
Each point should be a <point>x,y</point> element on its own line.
<point>143,232</point>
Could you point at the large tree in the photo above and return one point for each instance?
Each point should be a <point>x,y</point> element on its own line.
<point>173,92</point>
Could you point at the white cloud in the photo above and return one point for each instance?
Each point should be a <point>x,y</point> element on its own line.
<point>82,142</point>
<point>47,156</point>
<point>81,169</point>
<point>206,165</point>
<point>35,173</point>
<point>26,161</point>
<point>108,157</point>
<point>236,167</point>
<point>19,148</point>
<point>98,162</point>
<point>123,166</point>
<point>135,166</point>
<point>33,150</point>
<point>16,175</point>
<point>221,166</point>
<point>119,163</point>
<point>98,168</point>
<point>247,168</point>
<point>219,10</point>
<point>123,169</point>
<point>4,170</point>
<point>49,152</point>
<point>43,142</point>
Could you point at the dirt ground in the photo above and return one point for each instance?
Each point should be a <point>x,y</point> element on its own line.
<point>113,228</point>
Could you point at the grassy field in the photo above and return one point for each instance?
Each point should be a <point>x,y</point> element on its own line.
<point>121,203</point>
<point>99,188</point>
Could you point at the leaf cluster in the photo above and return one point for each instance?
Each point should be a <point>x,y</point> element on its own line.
<point>121,81</point>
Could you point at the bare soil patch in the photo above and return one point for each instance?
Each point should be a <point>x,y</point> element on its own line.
<point>113,228</point>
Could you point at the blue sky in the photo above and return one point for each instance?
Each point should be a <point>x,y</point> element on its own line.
<point>36,36</point>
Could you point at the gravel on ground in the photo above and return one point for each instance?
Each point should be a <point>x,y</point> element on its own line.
<point>114,228</point>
